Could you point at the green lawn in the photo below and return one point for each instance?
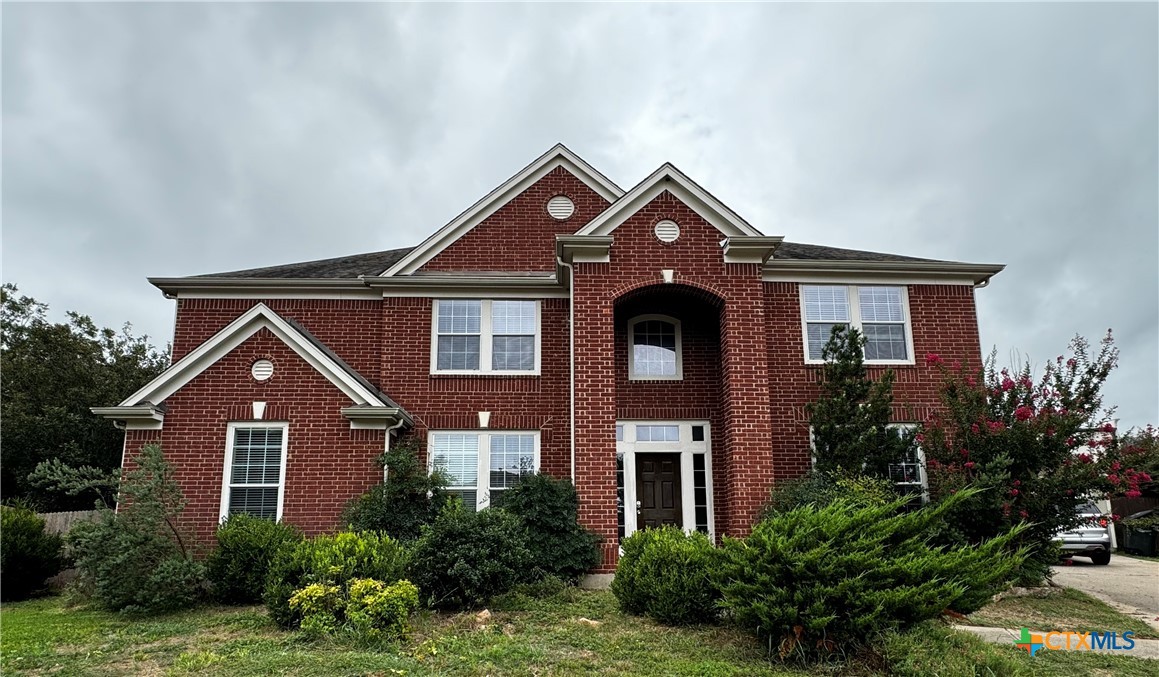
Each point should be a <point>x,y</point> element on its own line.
<point>1065,610</point>
<point>527,637</point>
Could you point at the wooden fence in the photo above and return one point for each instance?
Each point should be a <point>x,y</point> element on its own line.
<point>61,522</point>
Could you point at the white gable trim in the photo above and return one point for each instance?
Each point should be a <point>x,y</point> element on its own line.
<point>232,336</point>
<point>559,156</point>
<point>669,178</point>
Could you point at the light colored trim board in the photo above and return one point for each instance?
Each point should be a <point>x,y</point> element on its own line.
<point>669,178</point>
<point>230,431</point>
<point>630,448</point>
<point>878,272</point>
<point>486,341</point>
<point>233,335</point>
<point>746,249</point>
<point>558,156</point>
<point>632,375</point>
<point>853,299</point>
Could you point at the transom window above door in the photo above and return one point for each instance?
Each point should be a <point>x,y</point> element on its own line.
<point>654,348</point>
<point>482,336</point>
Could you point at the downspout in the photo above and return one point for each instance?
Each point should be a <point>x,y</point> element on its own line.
<point>571,352</point>
<point>386,450</point>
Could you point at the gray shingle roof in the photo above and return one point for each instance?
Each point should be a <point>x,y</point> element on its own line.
<point>375,263</point>
<point>352,266</point>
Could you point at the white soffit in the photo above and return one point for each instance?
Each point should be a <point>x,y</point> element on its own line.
<point>669,178</point>
<point>558,156</point>
<point>233,335</point>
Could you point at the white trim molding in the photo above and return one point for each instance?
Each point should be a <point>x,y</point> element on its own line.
<point>227,486</point>
<point>629,447</point>
<point>815,271</point>
<point>558,156</point>
<point>632,375</point>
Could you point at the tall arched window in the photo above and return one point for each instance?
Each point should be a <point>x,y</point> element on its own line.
<point>654,348</point>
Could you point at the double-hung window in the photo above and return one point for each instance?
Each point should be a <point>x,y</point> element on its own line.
<point>881,313</point>
<point>481,465</point>
<point>909,474</point>
<point>473,336</point>
<point>654,348</point>
<point>255,469</point>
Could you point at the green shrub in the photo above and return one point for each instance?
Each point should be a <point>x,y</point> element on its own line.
<point>549,509</point>
<point>409,497</point>
<point>137,559</point>
<point>246,545</point>
<point>466,558</point>
<point>666,574</point>
<point>329,560</point>
<point>822,488</point>
<point>368,609</point>
<point>28,555</point>
<point>820,579</point>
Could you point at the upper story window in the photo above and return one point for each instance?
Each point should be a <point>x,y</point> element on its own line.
<point>474,336</point>
<point>880,313</point>
<point>654,348</point>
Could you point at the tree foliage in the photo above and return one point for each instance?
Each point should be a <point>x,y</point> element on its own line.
<point>1037,448</point>
<point>53,373</point>
<point>851,418</point>
<point>407,499</point>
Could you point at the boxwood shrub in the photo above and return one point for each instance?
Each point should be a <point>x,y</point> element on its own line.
<point>666,574</point>
<point>246,545</point>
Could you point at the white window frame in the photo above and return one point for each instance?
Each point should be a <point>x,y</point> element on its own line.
<point>230,434</point>
<point>483,471</point>
<point>632,375</point>
<point>854,300</point>
<point>486,339</point>
<point>687,448</point>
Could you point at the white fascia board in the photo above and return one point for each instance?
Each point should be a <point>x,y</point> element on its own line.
<point>669,178</point>
<point>270,288</point>
<point>233,335</point>
<point>879,272</point>
<point>468,286</point>
<point>559,156</point>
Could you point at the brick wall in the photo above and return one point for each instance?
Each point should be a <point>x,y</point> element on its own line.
<point>525,229</point>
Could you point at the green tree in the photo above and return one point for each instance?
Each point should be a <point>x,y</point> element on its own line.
<point>851,418</point>
<point>53,373</point>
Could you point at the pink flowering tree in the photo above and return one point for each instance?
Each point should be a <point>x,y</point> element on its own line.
<point>1038,447</point>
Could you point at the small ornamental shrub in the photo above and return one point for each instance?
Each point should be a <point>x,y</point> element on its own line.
<point>28,555</point>
<point>549,509</point>
<point>368,609</point>
<point>816,580</point>
<point>246,545</point>
<point>138,559</point>
<point>822,488</point>
<point>409,497</point>
<point>329,560</point>
<point>318,605</point>
<point>464,559</point>
<point>666,575</point>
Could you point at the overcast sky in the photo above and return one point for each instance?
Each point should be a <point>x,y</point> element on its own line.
<point>183,139</point>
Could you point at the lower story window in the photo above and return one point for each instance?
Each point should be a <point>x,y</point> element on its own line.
<point>481,465</point>
<point>255,469</point>
<point>908,474</point>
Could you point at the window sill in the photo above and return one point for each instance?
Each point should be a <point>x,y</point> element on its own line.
<point>484,374</point>
<point>658,379</point>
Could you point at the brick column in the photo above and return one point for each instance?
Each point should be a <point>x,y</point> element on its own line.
<point>595,404</point>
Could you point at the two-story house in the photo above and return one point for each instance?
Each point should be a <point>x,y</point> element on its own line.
<point>649,344</point>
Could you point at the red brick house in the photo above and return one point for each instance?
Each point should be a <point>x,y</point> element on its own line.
<point>650,344</point>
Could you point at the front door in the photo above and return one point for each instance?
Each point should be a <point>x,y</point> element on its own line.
<point>658,491</point>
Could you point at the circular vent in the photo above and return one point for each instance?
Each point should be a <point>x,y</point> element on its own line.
<point>560,207</point>
<point>262,370</point>
<point>667,231</point>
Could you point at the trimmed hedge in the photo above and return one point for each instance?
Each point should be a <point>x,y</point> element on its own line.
<point>246,545</point>
<point>666,574</point>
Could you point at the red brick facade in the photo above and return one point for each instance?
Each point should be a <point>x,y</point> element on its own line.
<point>743,367</point>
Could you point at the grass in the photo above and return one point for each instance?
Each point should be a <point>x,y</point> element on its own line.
<point>574,632</point>
<point>1066,609</point>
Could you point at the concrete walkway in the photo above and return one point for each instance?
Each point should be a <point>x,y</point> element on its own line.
<point>1144,648</point>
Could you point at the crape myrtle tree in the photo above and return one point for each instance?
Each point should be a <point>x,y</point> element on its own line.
<point>1037,448</point>
<point>851,418</point>
<point>52,374</point>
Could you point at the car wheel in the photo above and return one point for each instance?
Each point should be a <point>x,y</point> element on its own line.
<point>1101,558</point>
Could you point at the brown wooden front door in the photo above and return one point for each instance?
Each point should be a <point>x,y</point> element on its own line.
<point>658,490</point>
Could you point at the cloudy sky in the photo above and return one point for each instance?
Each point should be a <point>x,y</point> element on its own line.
<point>183,139</point>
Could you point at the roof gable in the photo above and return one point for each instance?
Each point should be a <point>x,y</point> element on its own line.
<point>669,178</point>
<point>558,156</point>
<point>360,391</point>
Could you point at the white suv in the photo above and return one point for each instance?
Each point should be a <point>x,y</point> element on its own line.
<point>1091,538</point>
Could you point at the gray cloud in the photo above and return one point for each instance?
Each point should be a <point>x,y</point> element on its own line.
<point>182,139</point>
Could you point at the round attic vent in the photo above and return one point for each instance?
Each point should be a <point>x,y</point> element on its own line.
<point>262,370</point>
<point>560,207</point>
<point>667,231</point>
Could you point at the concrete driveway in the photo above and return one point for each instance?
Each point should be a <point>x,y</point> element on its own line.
<point>1128,584</point>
